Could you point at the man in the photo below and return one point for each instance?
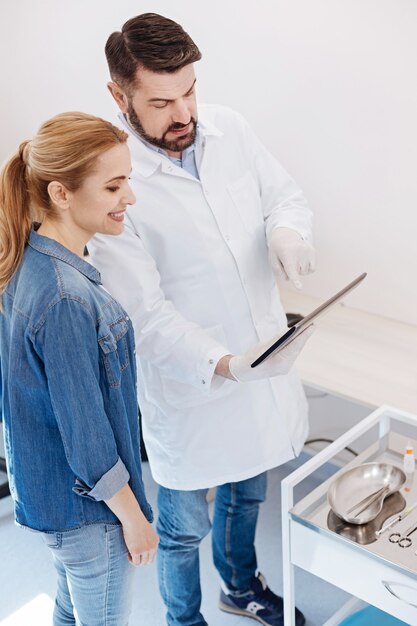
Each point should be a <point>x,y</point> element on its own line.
<point>193,271</point>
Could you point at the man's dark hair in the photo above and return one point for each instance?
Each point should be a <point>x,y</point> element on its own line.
<point>150,41</point>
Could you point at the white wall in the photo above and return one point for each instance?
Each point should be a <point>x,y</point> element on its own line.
<point>329,85</point>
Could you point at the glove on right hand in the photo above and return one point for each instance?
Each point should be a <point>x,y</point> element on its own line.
<point>279,363</point>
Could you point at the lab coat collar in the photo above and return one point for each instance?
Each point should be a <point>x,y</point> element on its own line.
<point>147,161</point>
<point>207,129</point>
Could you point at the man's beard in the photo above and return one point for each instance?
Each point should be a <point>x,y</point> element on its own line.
<point>175,145</point>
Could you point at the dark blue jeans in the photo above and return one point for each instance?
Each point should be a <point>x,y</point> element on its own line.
<point>184,521</point>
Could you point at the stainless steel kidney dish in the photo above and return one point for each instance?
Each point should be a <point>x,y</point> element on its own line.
<point>357,496</point>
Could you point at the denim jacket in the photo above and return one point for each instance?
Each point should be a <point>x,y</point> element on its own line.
<point>68,391</point>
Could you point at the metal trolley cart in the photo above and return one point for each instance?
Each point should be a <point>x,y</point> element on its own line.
<point>373,569</point>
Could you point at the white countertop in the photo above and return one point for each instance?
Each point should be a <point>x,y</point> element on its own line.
<point>358,355</point>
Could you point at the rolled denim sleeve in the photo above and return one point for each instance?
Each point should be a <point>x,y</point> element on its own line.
<point>67,344</point>
<point>109,484</point>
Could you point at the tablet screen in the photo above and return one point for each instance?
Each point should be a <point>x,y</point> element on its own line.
<point>298,328</point>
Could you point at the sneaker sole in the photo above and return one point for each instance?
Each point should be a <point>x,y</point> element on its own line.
<point>229,609</point>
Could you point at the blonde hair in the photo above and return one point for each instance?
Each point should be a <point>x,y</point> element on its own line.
<point>64,149</point>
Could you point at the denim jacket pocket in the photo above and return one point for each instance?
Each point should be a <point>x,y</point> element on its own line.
<point>115,350</point>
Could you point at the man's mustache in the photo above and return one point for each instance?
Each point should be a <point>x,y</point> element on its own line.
<point>179,126</point>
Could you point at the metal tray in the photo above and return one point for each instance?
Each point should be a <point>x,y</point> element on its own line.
<point>315,512</point>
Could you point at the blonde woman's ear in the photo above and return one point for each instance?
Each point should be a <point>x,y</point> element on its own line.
<point>59,195</point>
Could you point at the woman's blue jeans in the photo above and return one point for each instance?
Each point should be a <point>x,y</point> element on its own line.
<point>184,521</point>
<point>95,578</point>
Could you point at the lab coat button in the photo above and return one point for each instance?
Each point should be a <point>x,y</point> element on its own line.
<point>211,361</point>
<point>204,382</point>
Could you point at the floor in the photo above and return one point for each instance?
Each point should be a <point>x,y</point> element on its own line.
<point>27,580</point>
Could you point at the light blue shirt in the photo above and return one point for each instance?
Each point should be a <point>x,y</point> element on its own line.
<point>186,162</point>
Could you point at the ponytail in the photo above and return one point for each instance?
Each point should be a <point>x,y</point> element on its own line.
<point>15,214</point>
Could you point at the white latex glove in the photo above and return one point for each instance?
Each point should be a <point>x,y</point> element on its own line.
<point>279,363</point>
<point>291,256</point>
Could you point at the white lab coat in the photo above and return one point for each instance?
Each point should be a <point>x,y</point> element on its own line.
<point>192,271</point>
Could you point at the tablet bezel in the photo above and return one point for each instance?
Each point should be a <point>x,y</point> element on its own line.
<point>300,326</point>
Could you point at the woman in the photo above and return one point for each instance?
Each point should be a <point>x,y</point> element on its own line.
<point>67,359</point>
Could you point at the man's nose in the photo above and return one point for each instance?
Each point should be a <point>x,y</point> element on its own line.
<point>181,113</point>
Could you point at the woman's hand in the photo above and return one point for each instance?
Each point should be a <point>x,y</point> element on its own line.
<point>140,538</point>
<point>141,541</point>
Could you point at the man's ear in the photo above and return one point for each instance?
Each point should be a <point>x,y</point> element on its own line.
<point>119,95</point>
<point>59,195</point>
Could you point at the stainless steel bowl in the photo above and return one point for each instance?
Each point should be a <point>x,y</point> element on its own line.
<point>355,484</point>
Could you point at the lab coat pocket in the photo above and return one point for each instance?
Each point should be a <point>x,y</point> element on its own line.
<point>182,395</point>
<point>246,201</point>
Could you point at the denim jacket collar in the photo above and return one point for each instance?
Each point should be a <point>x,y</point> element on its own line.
<point>45,245</point>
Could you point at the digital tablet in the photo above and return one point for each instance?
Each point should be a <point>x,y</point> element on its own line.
<point>298,328</point>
